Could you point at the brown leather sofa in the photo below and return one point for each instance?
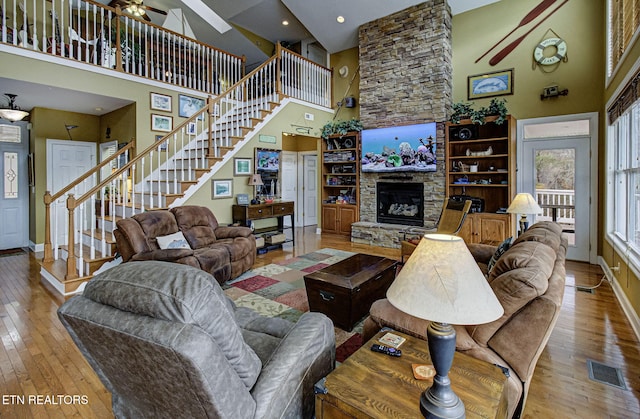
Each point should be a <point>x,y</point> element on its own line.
<point>528,280</point>
<point>224,252</point>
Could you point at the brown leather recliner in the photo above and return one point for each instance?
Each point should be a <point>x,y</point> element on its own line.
<point>224,252</point>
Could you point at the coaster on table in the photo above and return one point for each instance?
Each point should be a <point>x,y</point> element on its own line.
<point>423,371</point>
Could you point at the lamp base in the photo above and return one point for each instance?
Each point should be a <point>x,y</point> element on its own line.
<point>439,400</point>
<point>431,409</point>
<point>524,223</point>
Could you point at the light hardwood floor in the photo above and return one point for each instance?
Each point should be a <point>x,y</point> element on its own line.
<point>39,362</point>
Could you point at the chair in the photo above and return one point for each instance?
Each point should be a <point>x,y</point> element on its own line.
<point>166,342</point>
<point>450,222</point>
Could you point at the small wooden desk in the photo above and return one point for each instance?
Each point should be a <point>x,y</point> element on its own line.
<point>373,385</point>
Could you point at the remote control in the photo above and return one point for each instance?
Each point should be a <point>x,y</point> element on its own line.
<point>386,350</point>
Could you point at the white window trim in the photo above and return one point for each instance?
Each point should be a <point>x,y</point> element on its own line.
<point>621,245</point>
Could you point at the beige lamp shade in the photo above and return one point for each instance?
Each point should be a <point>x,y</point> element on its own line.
<point>255,180</point>
<point>441,282</point>
<point>524,203</point>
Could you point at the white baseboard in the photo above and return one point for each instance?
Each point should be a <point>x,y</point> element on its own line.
<point>628,309</point>
<point>36,247</point>
<point>318,230</point>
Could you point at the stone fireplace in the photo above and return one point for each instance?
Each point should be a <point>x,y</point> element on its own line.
<point>405,78</point>
<point>400,203</point>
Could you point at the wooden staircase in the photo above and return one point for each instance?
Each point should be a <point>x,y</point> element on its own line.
<point>163,175</point>
<point>92,257</point>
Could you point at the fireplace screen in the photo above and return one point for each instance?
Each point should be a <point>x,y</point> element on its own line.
<point>400,203</point>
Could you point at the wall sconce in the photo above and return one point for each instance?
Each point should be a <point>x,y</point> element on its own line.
<point>69,128</point>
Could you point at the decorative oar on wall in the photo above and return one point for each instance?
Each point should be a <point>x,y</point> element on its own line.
<point>534,13</point>
<point>507,50</point>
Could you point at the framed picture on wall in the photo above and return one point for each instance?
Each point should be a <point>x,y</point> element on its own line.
<point>189,105</point>
<point>268,167</point>
<point>161,123</point>
<point>163,145</point>
<point>241,166</point>
<point>221,188</point>
<point>498,83</point>
<point>160,102</point>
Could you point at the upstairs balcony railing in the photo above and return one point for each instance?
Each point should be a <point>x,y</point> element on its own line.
<point>96,34</point>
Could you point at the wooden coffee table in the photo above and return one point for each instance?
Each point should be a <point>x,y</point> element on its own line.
<point>346,290</point>
<point>373,385</point>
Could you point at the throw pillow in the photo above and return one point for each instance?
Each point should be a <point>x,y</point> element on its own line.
<point>173,241</point>
<point>504,246</point>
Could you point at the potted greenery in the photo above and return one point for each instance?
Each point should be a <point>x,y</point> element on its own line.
<point>341,127</point>
<point>463,110</point>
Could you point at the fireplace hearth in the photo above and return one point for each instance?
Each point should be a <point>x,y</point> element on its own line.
<point>400,203</point>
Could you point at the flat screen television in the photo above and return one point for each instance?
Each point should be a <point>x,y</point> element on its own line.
<point>406,148</point>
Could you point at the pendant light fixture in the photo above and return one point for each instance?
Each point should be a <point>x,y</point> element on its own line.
<point>12,112</point>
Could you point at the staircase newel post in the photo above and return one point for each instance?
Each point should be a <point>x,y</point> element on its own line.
<point>48,250</point>
<point>71,251</point>
<point>210,124</point>
<point>278,69</point>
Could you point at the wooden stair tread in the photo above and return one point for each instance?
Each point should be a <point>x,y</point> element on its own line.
<point>58,269</point>
<point>86,250</point>
<point>98,234</point>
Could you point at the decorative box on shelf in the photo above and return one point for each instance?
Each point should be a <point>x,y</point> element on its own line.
<point>274,238</point>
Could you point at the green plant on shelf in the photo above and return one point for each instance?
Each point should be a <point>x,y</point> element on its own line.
<point>464,110</point>
<point>341,127</point>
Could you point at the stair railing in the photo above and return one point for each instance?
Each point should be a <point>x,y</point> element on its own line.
<point>49,199</point>
<point>158,176</point>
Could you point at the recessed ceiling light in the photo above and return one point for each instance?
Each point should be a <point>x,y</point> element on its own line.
<point>285,22</point>
<point>340,19</point>
<point>98,109</point>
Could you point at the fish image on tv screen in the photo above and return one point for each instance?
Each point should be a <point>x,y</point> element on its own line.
<point>407,148</point>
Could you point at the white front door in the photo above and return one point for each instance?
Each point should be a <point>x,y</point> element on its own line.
<point>560,171</point>
<point>14,188</point>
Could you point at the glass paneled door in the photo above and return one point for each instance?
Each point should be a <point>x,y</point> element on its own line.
<point>557,173</point>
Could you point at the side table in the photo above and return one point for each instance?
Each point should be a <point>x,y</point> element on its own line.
<point>373,385</point>
<point>244,214</point>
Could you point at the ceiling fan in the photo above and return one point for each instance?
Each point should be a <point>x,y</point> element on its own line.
<point>136,8</point>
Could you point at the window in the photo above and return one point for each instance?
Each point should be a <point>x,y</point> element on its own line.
<point>623,183</point>
<point>623,22</point>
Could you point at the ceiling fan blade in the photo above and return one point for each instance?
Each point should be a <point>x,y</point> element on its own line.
<point>152,9</point>
<point>121,3</point>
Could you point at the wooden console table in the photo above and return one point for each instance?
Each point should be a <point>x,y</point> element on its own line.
<point>373,385</point>
<point>244,214</point>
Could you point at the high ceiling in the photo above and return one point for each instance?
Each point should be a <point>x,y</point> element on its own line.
<point>308,20</point>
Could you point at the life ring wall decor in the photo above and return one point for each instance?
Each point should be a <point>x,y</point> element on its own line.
<point>560,55</point>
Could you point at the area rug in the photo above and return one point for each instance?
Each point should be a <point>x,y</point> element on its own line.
<point>277,290</point>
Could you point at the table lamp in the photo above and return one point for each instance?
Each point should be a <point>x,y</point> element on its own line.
<point>524,204</point>
<point>441,282</point>
<point>255,181</point>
